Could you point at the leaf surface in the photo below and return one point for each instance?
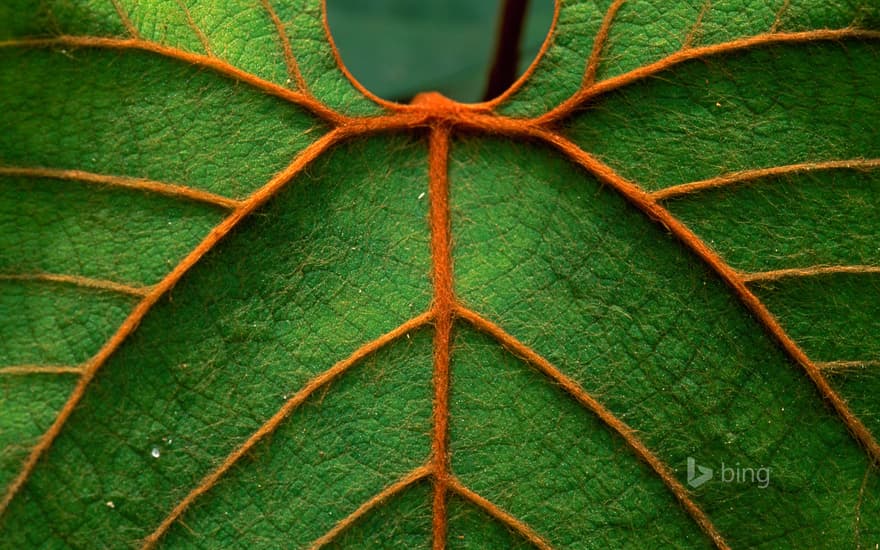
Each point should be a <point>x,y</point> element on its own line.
<point>245,302</point>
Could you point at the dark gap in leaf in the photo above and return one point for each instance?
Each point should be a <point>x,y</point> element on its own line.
<point>399,48</point>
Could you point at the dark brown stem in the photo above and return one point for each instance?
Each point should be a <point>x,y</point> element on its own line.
<point>506,62</point>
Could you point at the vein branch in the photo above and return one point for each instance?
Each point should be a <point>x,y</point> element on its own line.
<point>751,175</point>
<point>695,29</point>
<point>832,366</point>
<point>808,272</point>
<point>142,184</point>
<point>216,64</point>
<point>143,307</point>
<point>651,208</point>
<point>40,369</point>
<point>293,71</point>
<point>84,282</point>
<point>517,526</point>
<point>126,21</point>
<point>586,400</point>
<point>681,56</point>
<point>599,43</point>
<point>191,23</point>
<point>380,498</point>
<point>278,418</point>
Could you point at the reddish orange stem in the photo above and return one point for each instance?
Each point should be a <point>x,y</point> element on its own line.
<point>443,305</point>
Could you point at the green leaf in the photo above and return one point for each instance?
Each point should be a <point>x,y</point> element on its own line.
<point>244,302</point>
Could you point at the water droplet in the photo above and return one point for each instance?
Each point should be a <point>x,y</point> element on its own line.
<point>155,453</point>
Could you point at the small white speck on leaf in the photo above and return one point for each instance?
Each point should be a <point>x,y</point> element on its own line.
<point>422,196</point>
<point>155,453</point>
<point>110,504</point>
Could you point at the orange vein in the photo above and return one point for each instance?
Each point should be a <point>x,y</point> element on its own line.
<point>195,28</point>
<point>313,385</point>
<point>807,272</point>
<point>40,369</point>
<point>395,488</point>
<point>126,21</point>
<point>599,43</point>
<point>441,259</point>
<point>843,365</point>
<point>142,184</point>
<point>499,514</point>
<point>200,60</point>
<point>681,56</point>
<point>590,403</point>
<point>651,208</point>
<point>84,282</point>
<point>293,71</point>
<point>751,175</point>
<point>134,318</point>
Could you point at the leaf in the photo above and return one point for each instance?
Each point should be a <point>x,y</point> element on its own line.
<point>247,303</point>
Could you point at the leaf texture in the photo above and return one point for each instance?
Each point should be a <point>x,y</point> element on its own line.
<point>245,302</point>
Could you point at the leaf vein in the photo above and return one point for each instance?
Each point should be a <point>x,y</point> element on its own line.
<point>586,400</point>
<point>168,189</point>
<point>655,211</point>
<point>751,175</point>
<point>312,386</point>
<point>145,305</point>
